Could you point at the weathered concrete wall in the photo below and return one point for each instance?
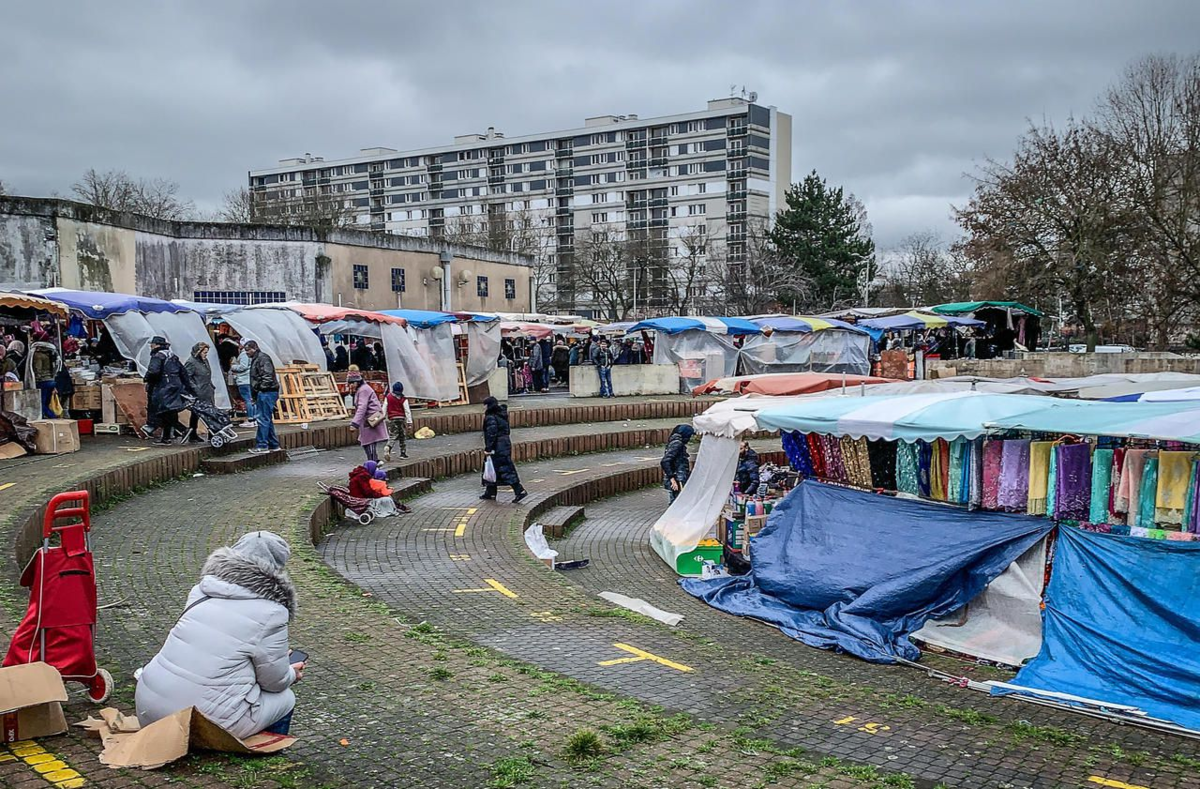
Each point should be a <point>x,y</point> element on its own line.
<point>28,253</point>
<point>96,257</point>
<point>1066,365</point>
<point>178,267</point>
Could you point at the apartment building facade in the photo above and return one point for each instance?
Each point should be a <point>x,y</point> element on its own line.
<point>669,191</point>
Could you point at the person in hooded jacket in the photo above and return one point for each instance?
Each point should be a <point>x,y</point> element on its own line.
<point>199,375</point>
<point>497,445</point>
<point>46,363</point>
<point>166,383</point>
<point>366,406</point>
<point>675,464</point>
<point>228,654</point>
<point>341,359</point>
<point>746,476</point>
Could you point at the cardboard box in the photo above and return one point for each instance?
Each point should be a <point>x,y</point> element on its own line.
<point>127,744</point>
<point>87,398</point>
<point>56,436</point>
<point>102,427</point>
<point>11,449</point>
<point>31,699</point>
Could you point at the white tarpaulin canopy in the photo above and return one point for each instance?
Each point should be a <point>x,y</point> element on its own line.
<point>131,332</point>
<point>280,333</point>
<point>422,360</point>
<point>695,509</point>
<point>483,350</point>
<point>826,351</point>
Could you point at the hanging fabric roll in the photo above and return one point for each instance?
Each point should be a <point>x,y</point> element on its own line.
<point>1072,482</point>
<point>1118,462</point>
<point>907,472</point>
<point>976,473</point>
<point>1146,495</point>
<point>1174,475</point>
<point>938,473</point>
<point>959,451</point>
<point>835,464</point>
<point>1192,519</point>
<point>924,471</point>
<point>1131,484</point>
<point>1039,476</point>
<point>1102,469</point>
<point>992,451</point>
<point>1014,475</point>
<point>881,455</point>
<point>816,453</point>
<point>796,449</point>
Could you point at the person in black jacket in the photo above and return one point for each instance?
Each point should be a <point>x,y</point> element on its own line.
<point>362,356</point>
<point>747,470</point>
<point>264,388</point>
<point>675,464</point>
<point>341,359</point>
<point>166,383</point>
<point>498,446</point>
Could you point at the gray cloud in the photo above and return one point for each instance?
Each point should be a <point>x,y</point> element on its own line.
<point>893,100</point>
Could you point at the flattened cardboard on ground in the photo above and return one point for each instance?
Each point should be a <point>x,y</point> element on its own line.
<point>162,742</point>
<point>30,702</point>
<point>11,449</point>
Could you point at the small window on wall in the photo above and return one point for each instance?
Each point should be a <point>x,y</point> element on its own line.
<point>481,287</point>
<point>398,280</point>
<point>510,289</point>
<point>361,277</point>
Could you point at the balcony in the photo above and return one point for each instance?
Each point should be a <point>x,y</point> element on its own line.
<point>658,202</point>
<point>632,144</point>
<point>564,152</point>
<point>658,161</point>
<point>659,140</point>
<point>735,214</point>
<point>737,130</point>
<point>736,193</point>
<point>434,167</point>
<point>736,238</point>
<point>637,203</point>
<point>563,210</point>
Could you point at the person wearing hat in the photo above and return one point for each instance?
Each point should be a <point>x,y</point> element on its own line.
<point>675,464</point>
<point>166,383</point>
<point>369,416</point>
<point>199,375</point>
<point>228,654</point>
<point>399,419</point>
<point>497,445</point>
<point>264,388</point>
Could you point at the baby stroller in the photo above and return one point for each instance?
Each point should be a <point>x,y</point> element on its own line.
<point>360,507</point>
<point>59,627</point>
<point>220,426</point>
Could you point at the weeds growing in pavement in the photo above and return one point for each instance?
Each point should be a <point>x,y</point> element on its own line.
<point>357,638</point>
<point>619,613</point>
<point>440,673</point>
<point>582,745</point>
<point>511,771</point>
<point>782,769</point>
<point>1024,730</point>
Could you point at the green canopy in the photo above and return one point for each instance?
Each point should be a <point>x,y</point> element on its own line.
<point>963,307</point>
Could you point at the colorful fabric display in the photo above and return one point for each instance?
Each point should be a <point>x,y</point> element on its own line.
<point>1174,476</point>
<point>1181,536</point>
<point>1072,481</point>
<point>1145,512</point>
<point>1101,528</point>
<point>1039,476</point>
<point>992,451</point>
<point>924,461</point>
<point>816,453</point>
<point>1014,475</point>
<point>1118,463</point>
<point>939,474</point>
<point>858,465</point>
<point>1102,469</point>
<point>960,452</point>
<point>835,464</point>
<point>975,496</point>
<point>1121,529</point>
<point>796,448</point>
<point>1192,518</point>
<point>1131,483</point>
<point>881,455</point>
<point>1051,484</point>
<point>907,473</point>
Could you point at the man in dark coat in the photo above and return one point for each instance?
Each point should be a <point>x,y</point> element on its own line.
<point>199,375</point>
<point>166,383</point>
<point>675,464</point>
<point>362,356</point>
<point>341,359</point>
<point>747,470</point>
<point>498,446</point>
<point>264,388</point>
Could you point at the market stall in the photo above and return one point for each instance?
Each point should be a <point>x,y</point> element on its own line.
<point>30,327</point>
<point>794,343</point>
<point>1006,323</point>
<point>701,348</point>
<point>783,384</point>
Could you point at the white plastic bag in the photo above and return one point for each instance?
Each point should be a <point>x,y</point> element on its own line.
<point>489,471</point>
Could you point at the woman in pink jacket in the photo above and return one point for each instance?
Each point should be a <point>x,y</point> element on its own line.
<point>366,405</point>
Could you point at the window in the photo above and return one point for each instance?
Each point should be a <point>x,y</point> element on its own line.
<point>510,289</point>
<point>599,197</point>
<point>690,169</point>
<point>674,191</point>
<point>397,280</point>
<point>238,296</point>
<point>481,287</point>
<point>697,209</point>
<point>361,277</point>
<point>600,218</point>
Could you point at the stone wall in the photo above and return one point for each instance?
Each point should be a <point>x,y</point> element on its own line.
<point>1065,365</point>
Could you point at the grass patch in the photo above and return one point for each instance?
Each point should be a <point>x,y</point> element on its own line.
<point>583,745</point>
<point>366,687</point>
<point>357,638</point>
<point>966,715</point>
<point>440,673</point>
<point>511,771</point>
<point>862,772</point>
<point>619,613</point>
<point>498,678</point>
<point>782,769</point>
<point>900,780</point>
<point>1186,761</point>
<point>1024,730</point>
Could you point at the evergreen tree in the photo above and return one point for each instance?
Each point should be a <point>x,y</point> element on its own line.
<point>824,234</point>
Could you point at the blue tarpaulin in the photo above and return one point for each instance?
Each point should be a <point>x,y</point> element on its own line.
<point>1121,625</point>
<point>858,572</point>
<point>98,305</point>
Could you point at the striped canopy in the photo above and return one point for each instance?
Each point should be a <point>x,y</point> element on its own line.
<point>713,325</point>
<point>802,323</point>
<point>914,320</point>
<point>908,417</point>
<point>1160,421</point>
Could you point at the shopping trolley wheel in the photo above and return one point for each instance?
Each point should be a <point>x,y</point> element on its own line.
<point>366,518</point>
<point>101,686</point>
<point>216,441</point>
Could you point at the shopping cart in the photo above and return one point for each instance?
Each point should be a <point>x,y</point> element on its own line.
<point>360,507</point>
<point>220,426</point>
<point>59,627</point>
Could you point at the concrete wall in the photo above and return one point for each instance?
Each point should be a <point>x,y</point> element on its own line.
<point>45,243</point>
<point>627,379</point>
<point>1066,365</point>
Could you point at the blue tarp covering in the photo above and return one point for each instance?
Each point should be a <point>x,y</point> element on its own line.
<point>714,325</point>
<point>1121,625</point>
<point>100,305</point>
<point>858,572</point>
<point>422,319</point>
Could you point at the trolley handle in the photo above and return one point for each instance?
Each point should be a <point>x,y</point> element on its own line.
<point>57,509</point>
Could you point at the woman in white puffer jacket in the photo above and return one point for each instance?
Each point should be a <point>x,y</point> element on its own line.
<point>227,656</point>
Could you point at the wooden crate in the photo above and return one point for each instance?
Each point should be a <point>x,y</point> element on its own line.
<point>306,394</point>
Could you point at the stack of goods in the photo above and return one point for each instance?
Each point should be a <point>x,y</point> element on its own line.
<point>743,517</point>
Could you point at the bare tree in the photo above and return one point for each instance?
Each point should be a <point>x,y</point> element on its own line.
<point>607,268</point>
<point>237,206</point>
<point>119,191</point>
<point>3,188</point>
<point>690,276</point>
<point>318,210</point>
<point>525,231</point>
<point>751,284</point>
<point>922,271</point>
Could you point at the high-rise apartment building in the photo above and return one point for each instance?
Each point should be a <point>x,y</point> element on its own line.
<point>657,195</point>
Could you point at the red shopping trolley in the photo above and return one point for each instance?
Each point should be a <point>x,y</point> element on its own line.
<point>59,626</point>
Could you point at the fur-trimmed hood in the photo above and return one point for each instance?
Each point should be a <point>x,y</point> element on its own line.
<point>257,577</point>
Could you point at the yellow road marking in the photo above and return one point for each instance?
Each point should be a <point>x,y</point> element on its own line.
<point>46,764</point>
<point>844,721</point>
<point>136,449</point>
<point>71,783</point>
<point>546,616</point>
<point>40,758</point>
<point>26,749</point>
<point>460,557</point>
<point>640,655</point>
<point>460,529</point>
<point>7,485</point>
<point>610,465</point>
<point>565,473</point>
<point>52,766</point>
<point>472,510</point>
<point>1115,784</point>
<point>7,757</point>
<point>492,586</point>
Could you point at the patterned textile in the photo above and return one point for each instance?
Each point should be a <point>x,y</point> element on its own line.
<point>976,473</point>
<point>1131,483</point>
<point>1145,513</point>
<point>1014,475</point>
<point>1192,519</point>
<point>907,474</point>
<point>796,448</point>
<point>1039,476</point>
<point>1102,463</point>
<point>1051,484</point>
<point>1181,536</point>
<point>1149,533</point>
<point>939,473</point>
<point>924,469</point>
<point>1120,528</point>
<point>992,451</point>
<point>1072,481</point>
<point>960,471</point>
<point>1118,463</point>
<point>835,464</point>
<point>881,455</point>
<point>1102,528</point>
<point>816,453</point>
<point>858,465</point>
<point>1174,475</point>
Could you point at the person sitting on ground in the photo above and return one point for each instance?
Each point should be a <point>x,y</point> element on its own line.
<point>399,419</point>
<point>675,464</point>
<point>747,470</point>
<point>363,485</point>
<point>228,655</point>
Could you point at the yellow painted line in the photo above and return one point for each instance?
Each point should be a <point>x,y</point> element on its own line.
<point>844,721</point>
<point>52,766</point>
<point>1115,784</point>
<point>7,485</point>
<point>641,654</point>
<point>472,510</point>
<point>7,757</point>
<point>460,557</point>
<point>460,529</point>
<point>28,749</point>
<point>567,473</point>
<point>46,764</point>
<point>65,774</point>
<point>40,758</point>
<point>136,449</point>
<point>437,529</point>
<point>71,783</point>
<point>499,587</point>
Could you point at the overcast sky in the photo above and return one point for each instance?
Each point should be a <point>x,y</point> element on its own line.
<point>894,100</point>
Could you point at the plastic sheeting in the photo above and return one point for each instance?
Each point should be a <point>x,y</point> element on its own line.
<point>784,384</point>
<point>131,333</point>
<point>1004,623</point>
<point>281,334</point>
<point>483,350</point>
<point>827,351</point>
<point>1122,621</point>
<point>695,509</point>
<point>857,572</point>
<point>699,355</point>
<point>422,360</point>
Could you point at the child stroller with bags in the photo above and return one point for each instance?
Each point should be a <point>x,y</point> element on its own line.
<point>220,426</point>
